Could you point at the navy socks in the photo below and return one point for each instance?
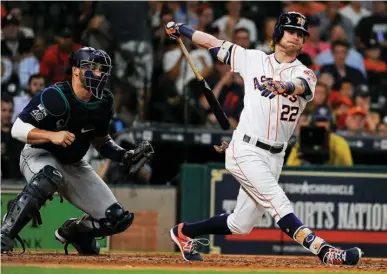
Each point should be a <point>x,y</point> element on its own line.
<point>289,224</point>
<point>296,230</point>
<point>216,225</point>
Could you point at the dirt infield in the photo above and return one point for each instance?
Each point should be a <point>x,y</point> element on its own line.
<point>174,261</point>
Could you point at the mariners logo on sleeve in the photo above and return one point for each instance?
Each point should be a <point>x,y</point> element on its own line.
<point>39,113</point>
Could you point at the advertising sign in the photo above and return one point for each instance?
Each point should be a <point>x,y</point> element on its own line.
<point>346,209</point>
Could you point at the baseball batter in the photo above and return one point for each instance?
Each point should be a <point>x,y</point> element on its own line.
<point>59,124</point>
<point>277,89</point>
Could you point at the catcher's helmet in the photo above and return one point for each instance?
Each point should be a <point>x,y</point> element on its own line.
<point>290,20</point>
<point>91,60</point>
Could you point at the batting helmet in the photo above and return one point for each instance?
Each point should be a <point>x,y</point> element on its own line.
<point>290,20</point>
<point>91,59</point>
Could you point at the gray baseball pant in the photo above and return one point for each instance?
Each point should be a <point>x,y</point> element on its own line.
<point>83,187</point>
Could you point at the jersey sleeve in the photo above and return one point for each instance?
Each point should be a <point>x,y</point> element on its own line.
<point>309,79</point>
<point>241,59</point>
<point>45,109</point>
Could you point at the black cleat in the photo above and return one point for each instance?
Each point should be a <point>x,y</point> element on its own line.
<point>83,243</point>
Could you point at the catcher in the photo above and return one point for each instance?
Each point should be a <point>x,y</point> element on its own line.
<point>58,126</point>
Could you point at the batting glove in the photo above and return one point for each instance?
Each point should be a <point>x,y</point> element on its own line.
<point>272,88</point>
<point>172,29</point>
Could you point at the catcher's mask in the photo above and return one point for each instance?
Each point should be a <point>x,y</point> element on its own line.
<point>290,20</point>
<point>95,65</point>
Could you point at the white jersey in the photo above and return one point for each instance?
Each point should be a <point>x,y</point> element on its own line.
<point>274,119</point>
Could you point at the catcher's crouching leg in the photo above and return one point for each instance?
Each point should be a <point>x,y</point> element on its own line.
<point>81,232</point>
<point>27,205</point>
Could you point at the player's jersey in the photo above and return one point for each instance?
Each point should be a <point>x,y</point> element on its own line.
<point>57,108</point>
<point>270,119</point>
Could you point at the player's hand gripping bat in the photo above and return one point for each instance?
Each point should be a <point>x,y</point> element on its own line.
<point>211,99</point>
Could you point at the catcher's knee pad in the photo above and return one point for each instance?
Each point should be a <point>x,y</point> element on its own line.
<point>81,232</point>
<point>28,203</point>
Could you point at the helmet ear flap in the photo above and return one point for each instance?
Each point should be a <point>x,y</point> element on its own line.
<point>278,33</point>
<point>73,62</point>
<point>278,30</point>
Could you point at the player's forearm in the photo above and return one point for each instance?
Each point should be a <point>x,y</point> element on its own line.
<point>299,86</point>
<point>29,134</point>
<point>205,40</point>
<point>39,136</point>
<point>218,48</point>
<point>200,38</point>
<point>109,149</point>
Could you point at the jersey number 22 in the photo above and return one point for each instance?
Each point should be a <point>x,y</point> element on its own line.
<point>289,113</point>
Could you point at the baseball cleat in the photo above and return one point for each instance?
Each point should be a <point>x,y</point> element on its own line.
<point>7,244</point>
<point>334,256</point>
<point>84,244</point>
<point>187,245</point>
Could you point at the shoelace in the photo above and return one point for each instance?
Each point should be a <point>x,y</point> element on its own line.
<point>191,244</point>
<point>333,256</point>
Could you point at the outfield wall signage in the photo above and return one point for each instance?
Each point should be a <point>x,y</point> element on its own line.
<point>347,209</point>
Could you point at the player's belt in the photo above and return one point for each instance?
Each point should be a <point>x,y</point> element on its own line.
<point>264,146</point>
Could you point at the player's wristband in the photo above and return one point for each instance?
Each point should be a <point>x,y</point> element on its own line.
<point>290,88</point>
<point>112,151</point>
<point>186,31</point>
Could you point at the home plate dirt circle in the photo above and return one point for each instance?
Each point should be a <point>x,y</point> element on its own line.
<point>175,261</point>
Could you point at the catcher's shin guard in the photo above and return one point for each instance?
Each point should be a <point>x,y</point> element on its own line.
<point>81,232</point>
<point>27,205</point>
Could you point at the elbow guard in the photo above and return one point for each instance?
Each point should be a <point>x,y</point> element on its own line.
<point>308,95</point>
<point>20,130</point>
<point>223,53</point>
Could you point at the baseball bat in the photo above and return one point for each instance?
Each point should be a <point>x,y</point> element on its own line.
<point>210,96</point>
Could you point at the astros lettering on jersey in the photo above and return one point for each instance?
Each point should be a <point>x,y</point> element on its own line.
<point>273,120</point>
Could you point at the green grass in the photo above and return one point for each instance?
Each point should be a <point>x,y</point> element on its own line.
<point>39,270</point>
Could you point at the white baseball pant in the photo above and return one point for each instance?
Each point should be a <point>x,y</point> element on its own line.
<point>258,171</point>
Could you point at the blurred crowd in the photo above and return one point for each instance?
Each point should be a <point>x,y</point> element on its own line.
<point>347,48</point>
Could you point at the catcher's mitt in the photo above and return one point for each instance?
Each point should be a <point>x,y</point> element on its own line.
<point>138,156</point>
<point>222,148</point>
